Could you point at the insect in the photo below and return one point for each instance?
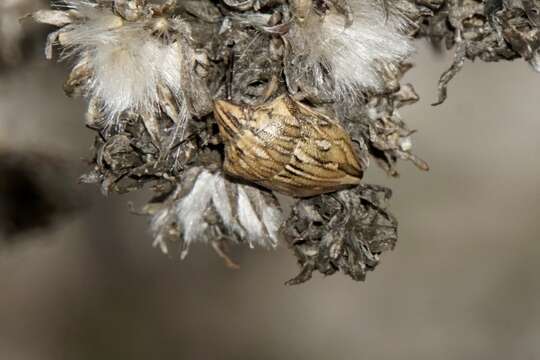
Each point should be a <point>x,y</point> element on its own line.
<point>284,145</point>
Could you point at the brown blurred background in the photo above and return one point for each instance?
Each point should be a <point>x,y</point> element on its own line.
<point>461,284</point>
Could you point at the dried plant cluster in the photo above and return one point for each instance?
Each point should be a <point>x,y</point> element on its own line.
<point>213,104</point>
<point>490,30</point>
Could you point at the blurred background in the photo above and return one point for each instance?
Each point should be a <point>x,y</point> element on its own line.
<point>462,282</point>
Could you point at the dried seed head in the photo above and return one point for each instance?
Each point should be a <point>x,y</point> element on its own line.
<point>286,146</point>
<point>344,232</point>
<point>347,53</point>
<point>122,60</point>
<point>205,206</point>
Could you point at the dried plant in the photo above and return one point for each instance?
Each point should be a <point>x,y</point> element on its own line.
<point>204,101</point>
<point>490,30</point>
<point>205,206</point>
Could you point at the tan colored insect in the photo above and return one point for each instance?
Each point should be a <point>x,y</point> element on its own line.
<point>285,146</point>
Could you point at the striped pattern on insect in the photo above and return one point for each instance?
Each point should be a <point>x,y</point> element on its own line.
<point>286,146</point>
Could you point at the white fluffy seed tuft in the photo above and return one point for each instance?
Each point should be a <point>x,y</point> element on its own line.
<point>243,211</point>
<point>354,55</point>
<point>128,63</point>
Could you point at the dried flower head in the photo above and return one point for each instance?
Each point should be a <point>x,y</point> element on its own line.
<point>346,49</point>
<point>207,207</point>
<point>129,57</point>
<point>346,232</point>
<point>490,30</point>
